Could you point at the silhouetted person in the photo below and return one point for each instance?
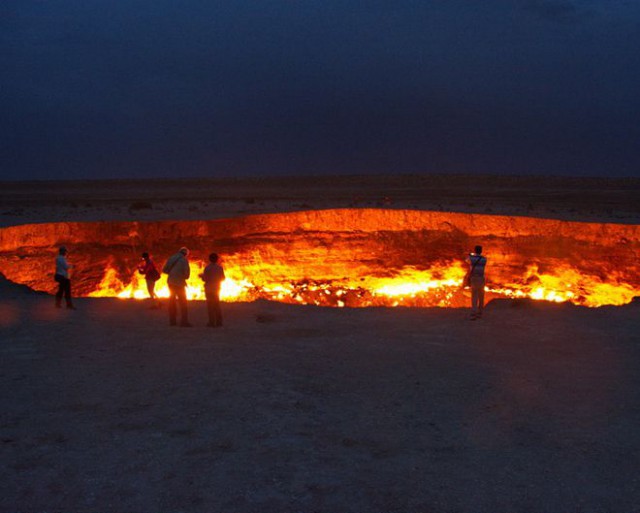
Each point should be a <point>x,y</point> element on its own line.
<point>213,276</point>
<point>151,275</point>
<point>178,271</point>
<point>477,264</point>
<point>62,277</point>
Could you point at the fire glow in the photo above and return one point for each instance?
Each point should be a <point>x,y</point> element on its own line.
<point>338,258</point>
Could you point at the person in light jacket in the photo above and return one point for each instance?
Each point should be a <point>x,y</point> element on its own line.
<point>477,263</point>
<point>178,271</point>
<point>62,278</point>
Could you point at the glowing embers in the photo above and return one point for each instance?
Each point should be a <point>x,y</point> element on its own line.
<point>136,288</point>
<point>408,286</point>
<point>438,286</point>
<point>565,283</point>
<point>348,257</point>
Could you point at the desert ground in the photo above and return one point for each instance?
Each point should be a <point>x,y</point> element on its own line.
<point>292,408</point>
<point>580,199</point>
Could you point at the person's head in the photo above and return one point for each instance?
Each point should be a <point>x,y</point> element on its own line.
<point>184,251</point>
<point>145,255</point>
<point>213,258</point>
<point>62,250</point>
<point>478,250</point>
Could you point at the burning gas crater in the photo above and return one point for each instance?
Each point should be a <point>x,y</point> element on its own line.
<point>348,257</point>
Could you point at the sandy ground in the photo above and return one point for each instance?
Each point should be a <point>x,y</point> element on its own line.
<point>594,199</point>
<point>107,408</point>
<point>305,409</point>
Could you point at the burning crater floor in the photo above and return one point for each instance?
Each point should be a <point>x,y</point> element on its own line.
<point>343,257</point>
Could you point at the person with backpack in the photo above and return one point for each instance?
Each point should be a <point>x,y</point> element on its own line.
<point>61,276</point>
<point>151,275</point>
<point>178,271</point>
<point>475,280</point>
<point>213,276</point>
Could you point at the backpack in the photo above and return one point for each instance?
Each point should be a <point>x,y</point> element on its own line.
<point>153,275</point>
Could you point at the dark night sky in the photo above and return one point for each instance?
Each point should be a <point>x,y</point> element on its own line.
<point>185,88</point>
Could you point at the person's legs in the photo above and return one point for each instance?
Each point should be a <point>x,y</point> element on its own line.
<point>60,291</point>
<point>151,285</point>
<point>181,292</point>
<point>477,297</point>
<point>210,310</point>
<point>151,289</point>
<point>172,306</point>
<point>213,307</point>
<point>67,292</point>
<point>474,300</point>
<point>217,313</point>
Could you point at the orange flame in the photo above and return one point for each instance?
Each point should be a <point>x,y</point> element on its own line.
<point>567,284</point>
<point>111,286</point>
<point>345,257</point>
<point>439,285</point>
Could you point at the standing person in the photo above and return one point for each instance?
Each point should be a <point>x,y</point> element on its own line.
<point>213,276</point>
<point>476,281</point>
<point>62,277</point>
<point>151,275</point>
<point>178,271</point>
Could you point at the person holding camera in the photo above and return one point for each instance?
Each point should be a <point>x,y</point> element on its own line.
<point>61,276</point>
<point>475,280</point>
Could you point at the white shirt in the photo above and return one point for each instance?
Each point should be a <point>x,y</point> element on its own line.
<point>62,266</point>
<point>477,262</point>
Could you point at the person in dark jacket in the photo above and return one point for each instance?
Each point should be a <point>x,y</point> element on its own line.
<point>213,276</point>
<point>62,278</point>
<point>178,271</point>
<point>151,275</point>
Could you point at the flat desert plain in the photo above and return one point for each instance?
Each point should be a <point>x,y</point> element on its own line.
<point>292,408</point>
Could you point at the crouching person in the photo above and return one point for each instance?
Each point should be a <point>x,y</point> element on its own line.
<point>178,271</point>
<point>213,276</point>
